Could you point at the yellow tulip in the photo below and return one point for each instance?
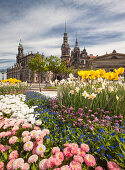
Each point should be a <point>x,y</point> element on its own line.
<point>121,70</point>
<point>115,76</point>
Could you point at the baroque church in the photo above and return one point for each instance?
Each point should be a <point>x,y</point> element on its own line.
<point>21,70</point>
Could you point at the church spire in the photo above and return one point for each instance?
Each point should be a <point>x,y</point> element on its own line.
<point>76,40</point>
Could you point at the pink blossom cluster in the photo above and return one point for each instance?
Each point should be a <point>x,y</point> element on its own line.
<point>71,150</point>
<point>33,141</point>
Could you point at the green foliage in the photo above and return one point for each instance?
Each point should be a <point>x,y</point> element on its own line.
<point>37,64</point>
<point>53,64</point>
<point>12,89</point>
<point>56,66</point>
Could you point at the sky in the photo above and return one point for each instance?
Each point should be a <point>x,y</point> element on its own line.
<point>100,26</point>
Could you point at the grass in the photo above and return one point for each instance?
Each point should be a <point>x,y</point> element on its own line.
<point>55,87</point>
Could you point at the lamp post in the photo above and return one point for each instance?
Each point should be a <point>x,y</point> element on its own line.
<point>2,72</point>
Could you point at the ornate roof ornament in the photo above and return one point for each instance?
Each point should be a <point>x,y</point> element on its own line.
<point>20,43</point>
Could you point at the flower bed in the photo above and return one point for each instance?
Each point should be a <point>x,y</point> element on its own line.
<point>12,86</point>
<point>25,146</point>
<point>93,90</point>
<point>49,135</point>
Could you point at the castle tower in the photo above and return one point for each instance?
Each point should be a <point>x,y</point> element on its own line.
<point>20,52</point>
<point>75,54</point>
<point>65,49</point>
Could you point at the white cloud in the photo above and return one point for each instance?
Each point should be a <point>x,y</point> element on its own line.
<point>109,47</point>
<point>34,22</point>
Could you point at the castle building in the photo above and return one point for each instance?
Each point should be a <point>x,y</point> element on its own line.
<point>83,61</point>
<point>77,58</point>
<point>75,55</point>
<point>21,70</point>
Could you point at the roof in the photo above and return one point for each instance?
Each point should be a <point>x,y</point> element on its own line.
<point>91,56</point>
<point>110,54</point>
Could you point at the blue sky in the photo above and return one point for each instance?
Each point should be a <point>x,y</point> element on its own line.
<point>100,26</point>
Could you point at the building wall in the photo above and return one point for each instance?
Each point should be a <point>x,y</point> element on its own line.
<point>108,62</point>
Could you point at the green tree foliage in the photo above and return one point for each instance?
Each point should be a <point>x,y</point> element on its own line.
<point>37,65</point>
<point>56,66</point>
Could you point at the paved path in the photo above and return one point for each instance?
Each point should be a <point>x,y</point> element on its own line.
<point>49,93</point>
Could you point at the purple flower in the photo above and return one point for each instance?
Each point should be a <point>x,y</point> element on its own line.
<point>80,110</point>
<point>96,113</point>
<point>106,112</point>
<point>91,128</point>
<point>116,129</point>
<point>80,120</point>
<point>71,108</point>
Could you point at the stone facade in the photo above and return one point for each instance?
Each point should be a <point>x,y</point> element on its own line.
<point>21,70</point>
<point>109,62</point>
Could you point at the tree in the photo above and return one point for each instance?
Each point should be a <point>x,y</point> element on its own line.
<point>55,65</point>
<point>37,65</point>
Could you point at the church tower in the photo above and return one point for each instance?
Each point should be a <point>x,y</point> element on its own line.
<point>20,52</point>
<point>65,49</point>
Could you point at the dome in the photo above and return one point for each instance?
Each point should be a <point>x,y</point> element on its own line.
<point>114,51</point>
